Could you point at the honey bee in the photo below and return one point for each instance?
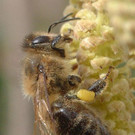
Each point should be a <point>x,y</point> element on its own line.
<point>48,80</point>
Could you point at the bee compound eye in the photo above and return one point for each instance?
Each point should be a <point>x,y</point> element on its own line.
<point>40,40</point>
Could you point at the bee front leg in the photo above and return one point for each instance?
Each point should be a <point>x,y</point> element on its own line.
<point>58,40</point>
<point>74,80</point>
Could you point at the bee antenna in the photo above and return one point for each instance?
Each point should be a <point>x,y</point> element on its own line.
<point>62,21</point>
<point>63,18</point>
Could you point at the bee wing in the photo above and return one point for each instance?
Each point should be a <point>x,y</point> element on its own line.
<point>43,114</point>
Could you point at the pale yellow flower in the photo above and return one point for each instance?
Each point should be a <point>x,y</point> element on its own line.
<point>102,39</point>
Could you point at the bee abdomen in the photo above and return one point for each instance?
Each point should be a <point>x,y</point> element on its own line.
<point>83,126</point>
<point>75,119</point>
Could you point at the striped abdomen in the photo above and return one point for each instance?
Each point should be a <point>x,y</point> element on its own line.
<point>74,118</point>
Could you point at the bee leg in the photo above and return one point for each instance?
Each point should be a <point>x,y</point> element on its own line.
<point>97,86</point>
<point>56,40</point>
<point>100,84</point>
<point>71,96</point>
<point>74,80</point>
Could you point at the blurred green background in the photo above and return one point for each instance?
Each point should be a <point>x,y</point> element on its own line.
<point>18,18</point>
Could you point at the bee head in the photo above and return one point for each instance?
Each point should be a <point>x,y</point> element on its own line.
<point>46,43</point>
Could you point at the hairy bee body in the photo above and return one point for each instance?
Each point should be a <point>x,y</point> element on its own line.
<point>56,76</point>
<point>46,73</point>
<point>55,67</point>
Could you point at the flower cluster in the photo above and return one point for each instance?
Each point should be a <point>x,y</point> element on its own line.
<point>98,45</point>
